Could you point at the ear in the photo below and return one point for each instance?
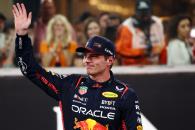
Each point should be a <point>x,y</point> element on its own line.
<point>110,60</point>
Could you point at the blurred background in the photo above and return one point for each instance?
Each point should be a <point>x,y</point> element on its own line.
<point>155,47</point>
<point>74,8</point>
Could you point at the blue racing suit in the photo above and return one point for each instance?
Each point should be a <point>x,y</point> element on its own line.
<point>85,103</point>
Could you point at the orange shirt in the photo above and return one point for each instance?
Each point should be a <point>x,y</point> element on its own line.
<point>131,45</point>
<point>63,55</point>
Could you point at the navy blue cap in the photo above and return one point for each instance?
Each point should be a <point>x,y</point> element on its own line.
<point>99,45</point>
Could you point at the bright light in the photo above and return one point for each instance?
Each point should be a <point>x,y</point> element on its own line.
<point>110,7</point>
<point>192,33</point>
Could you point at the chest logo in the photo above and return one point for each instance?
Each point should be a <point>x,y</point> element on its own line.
<point>119,89</point>
<point>139,127</point>
<point>83,90</point>
<point>109,95</point>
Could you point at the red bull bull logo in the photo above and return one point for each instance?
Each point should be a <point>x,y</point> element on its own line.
<point>89,124</point>
<point>139,127</point>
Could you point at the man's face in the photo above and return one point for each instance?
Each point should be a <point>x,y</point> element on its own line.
<point>143,15</point>
<point>96,64</point>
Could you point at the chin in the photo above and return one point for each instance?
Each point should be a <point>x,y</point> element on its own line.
<point>90,72</point>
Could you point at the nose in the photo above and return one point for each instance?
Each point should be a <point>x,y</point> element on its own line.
<point>86,59</point>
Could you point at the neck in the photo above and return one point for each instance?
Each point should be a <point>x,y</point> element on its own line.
<point>182,38</point>
<point>101,77</point>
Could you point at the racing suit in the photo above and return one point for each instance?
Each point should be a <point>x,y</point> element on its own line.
<point>85,103</point>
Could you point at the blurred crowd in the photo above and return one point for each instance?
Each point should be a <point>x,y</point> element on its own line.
<point>141,39</point>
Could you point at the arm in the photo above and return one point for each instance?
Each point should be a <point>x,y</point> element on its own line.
<point>131,117</point>
<point>124,44</point>
<point>24,54</point>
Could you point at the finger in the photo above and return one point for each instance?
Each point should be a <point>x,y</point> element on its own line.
<point>15,10</point>
<point>14,13</point>
<point>19,8</point>
<point>23,9</point>
<point>29,17</point>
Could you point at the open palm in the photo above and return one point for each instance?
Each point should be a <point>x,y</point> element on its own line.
<point>21,19</point>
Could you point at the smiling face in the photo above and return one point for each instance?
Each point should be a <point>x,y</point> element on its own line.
<point>183,28</point>
<point>58,28</point>
<point>93,29</point>
<point>97,64</point>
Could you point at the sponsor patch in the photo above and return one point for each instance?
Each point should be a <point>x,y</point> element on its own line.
<point>94,113</point>
<point>83,99</point>
<point>89,124</point>
<point>98,45</point>
<point>83,90</point>
<point>22,65</point>
<point>119,89</point>
<point>109,95</point>
<point>139,127</point>
<point>20,43</point>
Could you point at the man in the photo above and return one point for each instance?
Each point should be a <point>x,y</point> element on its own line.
<point>96,101</point>
<point>140,39</point>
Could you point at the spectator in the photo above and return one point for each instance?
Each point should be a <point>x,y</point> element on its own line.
<point>47,11</point>
<point>2,39</point>
<point>59,47</point>
<point>7,37</point>
<point>192,32</point>
<point>115,19</point>
<point>2,22</point>
<point>179,51</point>
<point>79,27</point>
<point>104,20</point>
<point>111,30</point>
<point>140,38</point>
<point>91,28</point>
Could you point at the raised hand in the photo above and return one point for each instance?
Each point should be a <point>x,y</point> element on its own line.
<point>21,19</point>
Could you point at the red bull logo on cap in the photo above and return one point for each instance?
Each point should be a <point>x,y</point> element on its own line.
<point>89,124</point>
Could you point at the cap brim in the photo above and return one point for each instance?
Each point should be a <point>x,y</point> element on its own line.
<point>87,50</point>
<point>83,49</point>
